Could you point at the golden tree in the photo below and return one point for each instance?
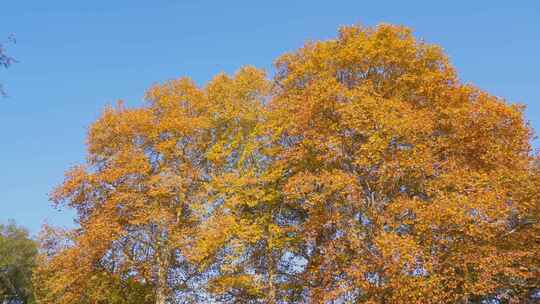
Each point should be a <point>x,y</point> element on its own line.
<point>143,190</point>
<point>366,172</point>
<point>415,188</point>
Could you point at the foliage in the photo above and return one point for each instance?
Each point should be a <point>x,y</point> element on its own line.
<point>17,260</point>
<point>364,172</point>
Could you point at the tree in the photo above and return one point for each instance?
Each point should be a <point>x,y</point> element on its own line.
<point>17,260</point>
<point>141,194</point>
<point>5,60</point>
<point>414,187</point>
<point>364,172</point>
<point>384,180</point>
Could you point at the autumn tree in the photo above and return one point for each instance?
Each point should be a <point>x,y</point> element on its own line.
<point>378,178</point>
<point>144,190</point>
<point>240,243</point>
<point>364,172</point>
<point>414,187</point>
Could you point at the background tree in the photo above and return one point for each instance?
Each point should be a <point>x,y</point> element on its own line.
<point>5,59</point>
<point>17,260</point>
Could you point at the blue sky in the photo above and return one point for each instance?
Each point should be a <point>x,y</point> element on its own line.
<point>75,57</point>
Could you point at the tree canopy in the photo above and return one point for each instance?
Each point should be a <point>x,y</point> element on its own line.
<point>364,171</point>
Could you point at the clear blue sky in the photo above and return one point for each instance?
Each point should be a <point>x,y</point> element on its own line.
<point>78,56</point>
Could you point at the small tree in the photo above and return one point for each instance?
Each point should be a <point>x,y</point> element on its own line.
<point>5,60</point>
<point>17,260</point>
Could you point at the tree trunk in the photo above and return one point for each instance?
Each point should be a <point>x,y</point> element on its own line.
<point>162,276</point>
<point>272,292</point>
